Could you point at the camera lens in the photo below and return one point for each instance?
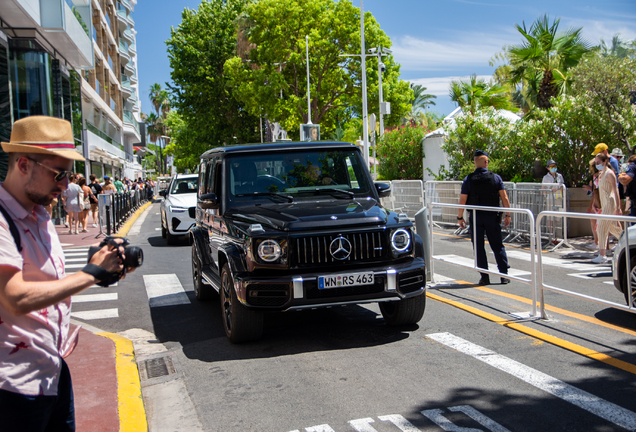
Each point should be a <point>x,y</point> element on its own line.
<point>134,257</point>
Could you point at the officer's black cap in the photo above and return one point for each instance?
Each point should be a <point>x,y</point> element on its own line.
<point>480,153</point>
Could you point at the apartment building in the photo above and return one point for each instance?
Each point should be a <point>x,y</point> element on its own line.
<point>74,59</point>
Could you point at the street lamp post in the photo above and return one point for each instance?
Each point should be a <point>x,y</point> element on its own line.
<point>380,52</point>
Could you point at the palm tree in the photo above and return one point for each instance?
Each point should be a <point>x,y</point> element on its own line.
<point>619,48</point>
<point>476,93</point>
<point>420,99</point>
<point>547,56</point>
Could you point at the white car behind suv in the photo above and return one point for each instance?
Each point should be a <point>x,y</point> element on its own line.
<point>179,206</point>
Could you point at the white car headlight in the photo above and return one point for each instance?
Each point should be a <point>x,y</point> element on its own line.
<point>400,240</point>
<point>269,250</point>
<point>176,209</point>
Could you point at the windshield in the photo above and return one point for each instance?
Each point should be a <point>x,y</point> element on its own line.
<point>185,186</point>
<point>300,175</point>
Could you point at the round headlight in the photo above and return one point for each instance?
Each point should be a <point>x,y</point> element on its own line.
<point>401,240</point>
<point>269,250</point>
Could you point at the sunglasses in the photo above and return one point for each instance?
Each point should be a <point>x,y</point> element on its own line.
<point>59,175</point>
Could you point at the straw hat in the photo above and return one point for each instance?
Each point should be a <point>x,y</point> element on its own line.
<point>42,134</point>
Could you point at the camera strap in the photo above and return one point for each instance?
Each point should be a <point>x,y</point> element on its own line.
<point>12,228</point>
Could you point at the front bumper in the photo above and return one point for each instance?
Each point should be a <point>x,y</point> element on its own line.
<point>300,291</point>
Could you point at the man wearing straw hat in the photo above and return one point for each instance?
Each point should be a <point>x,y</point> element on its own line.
<point>36,393</point>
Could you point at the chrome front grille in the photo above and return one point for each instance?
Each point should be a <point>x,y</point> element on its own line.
<point>314,250</point>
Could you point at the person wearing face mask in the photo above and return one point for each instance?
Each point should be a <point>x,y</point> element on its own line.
<point>610,204</point>
<point>553,177</point>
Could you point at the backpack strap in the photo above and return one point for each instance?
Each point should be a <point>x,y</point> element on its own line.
<point>14,229</point>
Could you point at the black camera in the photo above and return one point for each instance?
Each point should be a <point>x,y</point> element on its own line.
<point>134,257</point>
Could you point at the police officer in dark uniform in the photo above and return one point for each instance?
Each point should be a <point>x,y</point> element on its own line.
<point>485,188</point>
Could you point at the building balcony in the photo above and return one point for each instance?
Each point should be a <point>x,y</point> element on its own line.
<point>133,79</point>
<point>122,16</point>
<point>128,36</point>
<point>126,5</point>
<point>99,140</point>
<point>129,69</point>
<point>132,49</point>
<point>123,52</point>
<point>53,23</point>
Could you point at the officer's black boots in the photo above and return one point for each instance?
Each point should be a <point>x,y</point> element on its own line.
<point>505,281</point>
<point>485,280</point>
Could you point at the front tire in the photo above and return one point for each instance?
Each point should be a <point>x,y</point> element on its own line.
<point>632,279</point>
<point>404,312</point>
<point>202,291</point>
<point>241,324</point>
<point>163,229</point>
<point>171,239</point>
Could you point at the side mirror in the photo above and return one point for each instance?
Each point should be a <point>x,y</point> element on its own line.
<point>384,189</point>
<point>163,193</point>
<point>208,201</point>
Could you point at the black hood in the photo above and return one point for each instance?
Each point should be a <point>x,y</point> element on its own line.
<point>312,214</point>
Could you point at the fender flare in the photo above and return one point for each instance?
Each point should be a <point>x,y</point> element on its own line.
<point>200,239</point>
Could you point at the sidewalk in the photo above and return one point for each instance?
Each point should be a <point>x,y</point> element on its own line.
<point>106,383</point>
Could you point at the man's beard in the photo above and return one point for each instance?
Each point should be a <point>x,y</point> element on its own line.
<point>38,197</point>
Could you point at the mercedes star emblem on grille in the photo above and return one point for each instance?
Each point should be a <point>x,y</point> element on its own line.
<point>340,248</point>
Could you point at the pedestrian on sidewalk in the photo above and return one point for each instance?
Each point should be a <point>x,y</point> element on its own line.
<point>108,187</point>
<point>73,204</point>
<point>610,204</point>
<point>96,188</point>
<point>86,205</point>
<point>626,179</point>
<point>36,392</point>
<point>595,203</point>
<point>554,195</point>
<point>485,188</point>
<point>118,184</point>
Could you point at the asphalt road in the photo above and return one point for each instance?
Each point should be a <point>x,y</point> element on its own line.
<point>465,367</point>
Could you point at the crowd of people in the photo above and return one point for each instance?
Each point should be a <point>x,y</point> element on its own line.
<point>80,198</point>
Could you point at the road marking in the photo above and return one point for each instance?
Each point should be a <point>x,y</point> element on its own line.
<point>559,262</point>
<point>75,266</point>
<point>456,259</point>
<point>81,249</point>
<point>577,397</point>
<point>595,355</point>
<point>136,228</point>
<point>157,229</point>
<point>72,260</point>
<point>96,314</point>
<point>560,311</point>
<point>591,275</point>
<point>441,279</point>
<point>479,418</point>
<point>85,298</point>
<point>165,290</point>
<point>402,424</point>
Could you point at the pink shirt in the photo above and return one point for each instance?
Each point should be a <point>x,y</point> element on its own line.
<point>32,345</point>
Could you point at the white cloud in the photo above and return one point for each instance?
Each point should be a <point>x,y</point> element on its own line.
<point>436,55</point>
<point>438,86</point>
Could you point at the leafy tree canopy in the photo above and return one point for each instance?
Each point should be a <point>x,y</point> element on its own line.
<point>197,49</point>
<point>268,74</point>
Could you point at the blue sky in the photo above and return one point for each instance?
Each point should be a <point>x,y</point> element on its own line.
<point>434,41</point>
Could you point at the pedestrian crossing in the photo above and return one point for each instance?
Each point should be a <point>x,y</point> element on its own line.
<point>98,306</point>
<point>162,290</point>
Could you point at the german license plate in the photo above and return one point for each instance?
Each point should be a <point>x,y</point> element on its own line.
<point>345,280</point>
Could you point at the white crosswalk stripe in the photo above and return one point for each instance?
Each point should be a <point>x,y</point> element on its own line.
<point>165,290</point>
<point>75,258</point>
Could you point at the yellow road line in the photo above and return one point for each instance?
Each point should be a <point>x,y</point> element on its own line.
<point>557,310</point>
<point>129,223</point>
<point>132,415</point>
<point>595,355</point>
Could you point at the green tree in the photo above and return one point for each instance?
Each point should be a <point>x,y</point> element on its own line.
<point>197,50</point>
<point>603,83</point>
<point>476,92</point>
<point>421,100</point>
<point>618,48</point>
<point>268,74</point>
<point>183,145</point>
<point>544,57</point>
<point>400,153</point>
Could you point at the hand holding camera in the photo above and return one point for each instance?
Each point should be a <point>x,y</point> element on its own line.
<point>112,259</point>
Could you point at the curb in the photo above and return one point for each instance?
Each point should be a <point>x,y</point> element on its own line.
<point>129,223</point>
<point>132,414</point>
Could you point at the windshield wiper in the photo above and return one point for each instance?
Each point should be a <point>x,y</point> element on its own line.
<point>331,191</point>
<point>288,198</point>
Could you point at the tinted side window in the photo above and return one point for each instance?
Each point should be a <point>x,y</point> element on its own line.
<point>212,168</point>
<point>202,178</point>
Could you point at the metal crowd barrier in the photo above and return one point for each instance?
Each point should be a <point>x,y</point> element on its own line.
<point>541,286</point>
<point>519,212</point>
<point>407,196</point>
<point>536,197</point>
<point>115,209</point>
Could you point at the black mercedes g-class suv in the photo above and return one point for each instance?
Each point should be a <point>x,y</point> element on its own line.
<point>290,226</point>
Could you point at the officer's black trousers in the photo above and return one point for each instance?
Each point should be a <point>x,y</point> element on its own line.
<point>488,223</point>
